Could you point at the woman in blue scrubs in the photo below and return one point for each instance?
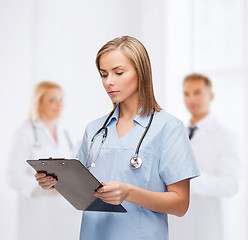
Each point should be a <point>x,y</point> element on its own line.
<point>161,184</point>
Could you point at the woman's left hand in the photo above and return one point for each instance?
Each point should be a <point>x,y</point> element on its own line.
<point>113,192</point>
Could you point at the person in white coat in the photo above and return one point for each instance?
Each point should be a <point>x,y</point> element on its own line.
<point>215,149</point>
<point>42,214</point>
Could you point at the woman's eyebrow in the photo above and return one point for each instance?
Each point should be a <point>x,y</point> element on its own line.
<point>112,68</point>
<point>117,67</point>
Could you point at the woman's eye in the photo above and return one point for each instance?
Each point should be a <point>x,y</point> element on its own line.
<point>104,75</point>
<point>119,73</point>
<point>52,100</point>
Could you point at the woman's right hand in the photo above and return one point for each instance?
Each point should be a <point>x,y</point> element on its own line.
<point>46,182</point>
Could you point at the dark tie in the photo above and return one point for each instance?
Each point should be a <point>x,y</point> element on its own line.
<point>192,131</point>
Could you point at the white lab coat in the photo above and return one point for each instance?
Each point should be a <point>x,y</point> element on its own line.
<point>42,214</point>
<point>216,153</point>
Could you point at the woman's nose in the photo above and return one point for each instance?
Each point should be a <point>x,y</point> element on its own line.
<point>110,79</point>
<point>60,103</point>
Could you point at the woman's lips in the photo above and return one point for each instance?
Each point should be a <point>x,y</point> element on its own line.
<point>113,93</point>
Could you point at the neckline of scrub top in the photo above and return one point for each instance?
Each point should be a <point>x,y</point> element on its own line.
<point>141,120</point>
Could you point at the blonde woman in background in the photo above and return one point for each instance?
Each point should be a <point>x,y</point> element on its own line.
<point>41,213</point>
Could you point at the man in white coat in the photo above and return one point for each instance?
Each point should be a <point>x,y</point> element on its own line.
<point>217,157</point>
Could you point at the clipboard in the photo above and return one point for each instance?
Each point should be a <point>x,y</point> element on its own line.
<point>75,183</point>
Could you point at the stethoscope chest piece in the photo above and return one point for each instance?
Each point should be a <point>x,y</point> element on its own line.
<point>135,162</point>
<point>92,165</point>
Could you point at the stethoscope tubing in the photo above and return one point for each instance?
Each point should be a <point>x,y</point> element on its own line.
<point>143,135</point>
<point>135,162</point>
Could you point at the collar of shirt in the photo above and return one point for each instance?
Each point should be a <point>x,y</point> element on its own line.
<point>141,120</point>
<point>205,123</point>
<point>39,125</point>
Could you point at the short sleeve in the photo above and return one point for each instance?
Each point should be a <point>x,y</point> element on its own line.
<point>177,160</point>
<point>82,152</point>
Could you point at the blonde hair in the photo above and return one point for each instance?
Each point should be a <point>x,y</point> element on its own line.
<point>197,77</point>
<point>135,51</point>
<point>38,94</point>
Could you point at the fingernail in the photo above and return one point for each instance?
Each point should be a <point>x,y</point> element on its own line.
<point>43,174</point>
<point>51,178</point>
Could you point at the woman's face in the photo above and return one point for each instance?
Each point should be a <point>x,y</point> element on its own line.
<point>119,77</point>
<point>51,104</point>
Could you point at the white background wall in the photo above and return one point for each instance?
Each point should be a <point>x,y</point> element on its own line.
<point>58,40</point>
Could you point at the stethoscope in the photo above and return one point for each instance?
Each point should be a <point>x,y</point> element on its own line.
<point>37,144</point>
<point>135,161</point>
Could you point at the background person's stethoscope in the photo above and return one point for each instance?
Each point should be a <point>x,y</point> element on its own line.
<point>135,161</point>
<point>37,143</point>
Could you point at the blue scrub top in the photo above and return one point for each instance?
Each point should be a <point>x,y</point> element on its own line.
<point>167,158</point>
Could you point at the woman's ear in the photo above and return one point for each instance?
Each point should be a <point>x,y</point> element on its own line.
<point>212,96</point>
